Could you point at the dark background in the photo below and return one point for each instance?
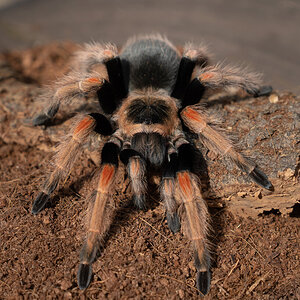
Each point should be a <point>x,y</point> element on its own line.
<point>264,35</point>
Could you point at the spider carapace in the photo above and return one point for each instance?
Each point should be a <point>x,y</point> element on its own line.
<point>148,96</point>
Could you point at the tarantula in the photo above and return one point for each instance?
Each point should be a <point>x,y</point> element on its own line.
<point>148,96</point>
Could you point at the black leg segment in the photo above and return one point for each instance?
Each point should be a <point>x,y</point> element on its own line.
<point>44,196</point>
<point>185,71</point>
<point>40,202</point>
<point>261,178</point>
<point>203,282</point>
<point>172,166</point>
<point>107,98</point>
<point>203,276</point>
<point>116,77</point>
<point>186,157</point>
<point>45,118</point>
<point>103,126</point>
<point>125,154</point>
<point>110,154</point>
<point>84,275</point>
<point>265,90</point>
<point>193,94</point>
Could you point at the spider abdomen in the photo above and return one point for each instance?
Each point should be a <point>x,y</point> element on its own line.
<point>150,62</point>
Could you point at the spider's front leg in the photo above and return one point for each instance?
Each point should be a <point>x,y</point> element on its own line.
<point>196,120</point>
<point>68,151</point>
<point>102,212</point>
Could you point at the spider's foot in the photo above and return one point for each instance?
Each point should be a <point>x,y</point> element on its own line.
<point>41,119</point>
<point>173,222</point>
<point>261,178</point>
<point>140,201</point>
<point>265,90</point>
<point>203,282</point>
<point>39,203</point>
<point>84,275</point>
<point>46,117</point>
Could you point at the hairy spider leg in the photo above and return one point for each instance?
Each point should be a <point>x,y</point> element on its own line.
<point>102,213</point>
<point>196,120</point>
<point>93,58</point>
<point>71,86</point>
<point>190,90</point>
<point>136,169</point>
<point>99,70</point>
<point>68,151</point>
<point>219,76</point>
<point>194,214</point>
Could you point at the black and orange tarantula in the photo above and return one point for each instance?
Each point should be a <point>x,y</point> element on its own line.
<point>148,95</point>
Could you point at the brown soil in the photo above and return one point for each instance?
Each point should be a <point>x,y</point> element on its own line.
<point>254,257</point>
